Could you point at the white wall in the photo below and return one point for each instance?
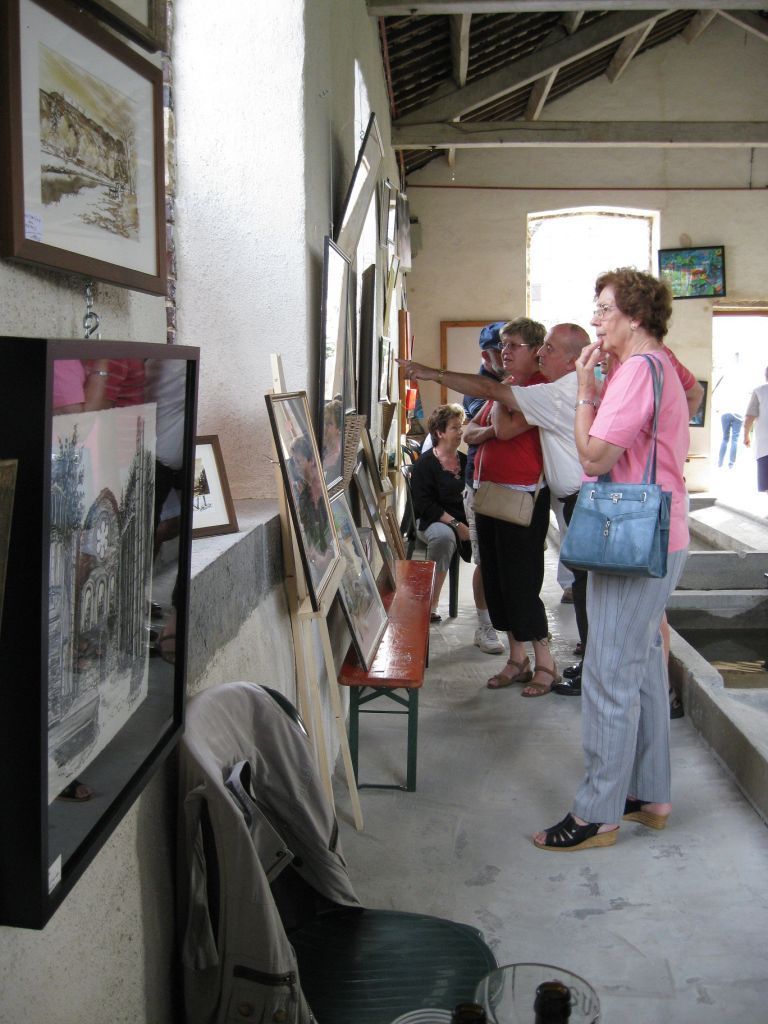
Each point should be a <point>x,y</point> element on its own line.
<point>265,141</point>
<point>473,260</point>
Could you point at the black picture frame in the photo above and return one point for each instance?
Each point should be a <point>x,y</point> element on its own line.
<point>8,469</point>
<point>362,187</point>
<point>93,88</point>
<point>367,387</point>
<point>695,272</point>
<point>699,417</point>
<point>332,370</point>
<point>83,698</point>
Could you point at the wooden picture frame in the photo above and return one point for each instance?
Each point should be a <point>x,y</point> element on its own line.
<point>694,272</point>
<point>391,284</point>
<point>8,469</point>
<point>403,232</point>
<point>333,379</point>
<point>305,490</point>
<point>386,362</point>
<point>82,140</point>
<point>360,599</point>
<point>213,511</point>
<point>148,31</point>
<point>371,462</point>
<point>387,214</point>
<point>97,703</point>
<point>371,513</point>
<point>460,347</point>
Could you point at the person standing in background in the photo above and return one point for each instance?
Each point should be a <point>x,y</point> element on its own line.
<point>492,366</point>
<point>757,417</point>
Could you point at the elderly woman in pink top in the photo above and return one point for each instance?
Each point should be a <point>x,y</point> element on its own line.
<point>625,710</point>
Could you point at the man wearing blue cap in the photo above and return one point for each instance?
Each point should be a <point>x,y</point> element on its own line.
<point>492,366</point>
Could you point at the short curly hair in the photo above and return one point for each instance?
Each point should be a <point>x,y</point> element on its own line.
<point>641,296</point>
<point>441,417</point>
<point>531,331</point>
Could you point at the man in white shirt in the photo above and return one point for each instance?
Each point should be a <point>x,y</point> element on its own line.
<point>550,407</point>
<point>757,417</point>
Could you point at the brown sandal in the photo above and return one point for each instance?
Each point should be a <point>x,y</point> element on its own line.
<point>523,675</point>
<point>542,689</point>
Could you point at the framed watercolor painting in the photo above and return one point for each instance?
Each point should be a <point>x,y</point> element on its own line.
<point>82,141</point>
<point>213,511</point>
<point>333,381</point>
<point>360,598</point>
<point>305,489</point>
<point>90,717</point>
<point>694,273</point>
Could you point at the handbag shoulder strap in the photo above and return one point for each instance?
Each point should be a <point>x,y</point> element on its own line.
<point>657,375</point>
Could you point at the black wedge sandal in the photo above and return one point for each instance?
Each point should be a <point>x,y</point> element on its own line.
<point>568,835</point>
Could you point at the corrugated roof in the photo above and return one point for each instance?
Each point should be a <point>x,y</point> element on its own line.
<point>419,61</point>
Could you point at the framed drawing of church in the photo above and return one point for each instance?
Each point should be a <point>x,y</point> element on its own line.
<point>93,642</point>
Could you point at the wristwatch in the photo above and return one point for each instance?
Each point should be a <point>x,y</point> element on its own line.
<point>454,522</point>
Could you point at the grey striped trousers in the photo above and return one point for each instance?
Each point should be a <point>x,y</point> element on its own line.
<point>625,704</point>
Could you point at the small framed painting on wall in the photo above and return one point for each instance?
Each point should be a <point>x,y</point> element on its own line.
<point>694,273</point>
<point>213,511</point>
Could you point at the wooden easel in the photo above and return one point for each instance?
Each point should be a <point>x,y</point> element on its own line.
<point>303,615</point>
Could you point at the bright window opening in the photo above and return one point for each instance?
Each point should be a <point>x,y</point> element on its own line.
<point>567,249</point>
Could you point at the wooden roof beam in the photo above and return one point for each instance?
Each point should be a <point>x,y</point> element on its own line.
<point>405,8</point>
<point>454,102</point>
<point>698,24</point>
<point>745,19</point>
<point>626,52</point>
<point>625,134</point>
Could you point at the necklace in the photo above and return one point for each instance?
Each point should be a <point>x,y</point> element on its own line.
<point>450,464</point>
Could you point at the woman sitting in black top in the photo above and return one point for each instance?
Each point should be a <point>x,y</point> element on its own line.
<point>437,485</point>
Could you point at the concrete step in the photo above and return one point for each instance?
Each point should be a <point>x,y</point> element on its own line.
<point>729,528</point>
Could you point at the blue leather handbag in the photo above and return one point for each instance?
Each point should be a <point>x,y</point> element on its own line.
<point>622,529</point>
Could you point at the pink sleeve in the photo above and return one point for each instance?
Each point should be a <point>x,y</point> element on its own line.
<point>687,379</point>
<point>627,405</point>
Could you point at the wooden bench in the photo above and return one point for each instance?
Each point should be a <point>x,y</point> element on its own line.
<point>399,663</point>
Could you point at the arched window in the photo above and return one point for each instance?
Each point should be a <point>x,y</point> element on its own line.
<point>567,249</point>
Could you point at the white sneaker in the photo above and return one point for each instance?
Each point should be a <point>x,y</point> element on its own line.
<point>487,641</point>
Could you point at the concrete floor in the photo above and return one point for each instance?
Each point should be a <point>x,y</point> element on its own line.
<point>669,927</point>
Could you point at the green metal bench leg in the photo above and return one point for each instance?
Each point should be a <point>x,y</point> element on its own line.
<point>354,726</point>
<point>453,585</point>
<point>413,732</point>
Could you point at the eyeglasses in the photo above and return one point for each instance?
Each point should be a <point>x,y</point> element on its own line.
<point>601,311</point>
<point>515,344</point>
